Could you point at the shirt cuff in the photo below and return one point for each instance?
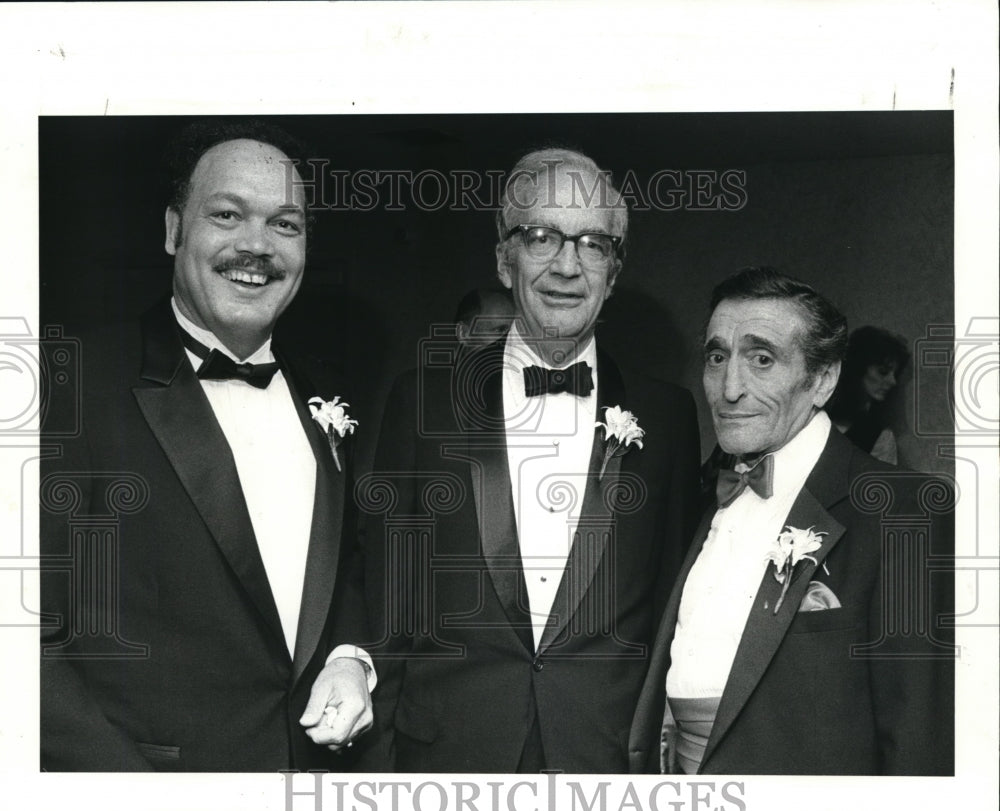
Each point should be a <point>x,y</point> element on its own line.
<point>354,652</point>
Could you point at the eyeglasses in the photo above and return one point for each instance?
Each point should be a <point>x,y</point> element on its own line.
<point>595,251</point>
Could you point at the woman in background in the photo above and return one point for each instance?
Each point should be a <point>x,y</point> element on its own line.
<point>861,405</point>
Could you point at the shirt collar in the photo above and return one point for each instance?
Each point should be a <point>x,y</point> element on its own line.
<point>794,461</point>
<point>519,353</point>
<point>263,353</point>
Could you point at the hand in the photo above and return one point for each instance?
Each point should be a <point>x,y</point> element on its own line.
<point>340,707</point>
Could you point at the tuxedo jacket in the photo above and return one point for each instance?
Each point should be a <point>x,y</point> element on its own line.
<point>162,647</point>
<point>461,683</point>
<point>866,688</point>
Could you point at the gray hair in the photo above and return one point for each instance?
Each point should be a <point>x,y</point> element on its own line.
<point>539,163</point>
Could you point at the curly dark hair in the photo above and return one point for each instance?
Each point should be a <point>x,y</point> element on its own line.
<point>868,346</point>
<point>825,340</point>
<point>187,146</point>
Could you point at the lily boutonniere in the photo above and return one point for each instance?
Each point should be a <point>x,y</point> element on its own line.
<point>332,418</point>
<point>621,429</point>
<point>791,546</point>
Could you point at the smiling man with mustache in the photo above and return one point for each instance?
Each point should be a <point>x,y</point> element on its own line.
<point>238,244</point>
<point>236,593</point>
<point>516,639</point>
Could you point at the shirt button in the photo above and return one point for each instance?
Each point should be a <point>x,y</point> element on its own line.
<point>538,664</point>
<point>544,579</point>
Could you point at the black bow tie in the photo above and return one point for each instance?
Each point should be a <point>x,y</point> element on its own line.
<point>219,366</point>
<point>575,379</point>
<point>758,478</point>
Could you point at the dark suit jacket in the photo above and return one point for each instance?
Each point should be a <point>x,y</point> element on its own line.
<point>460,681</point>
<point>162,647</point>
<point>867,688</point>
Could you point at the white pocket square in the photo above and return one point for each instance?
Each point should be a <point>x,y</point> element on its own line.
<point>818,597</point>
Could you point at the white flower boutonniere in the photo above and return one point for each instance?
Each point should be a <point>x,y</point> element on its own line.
<point>621,429</point>
<point>789,548</point>
<point>332,418</point>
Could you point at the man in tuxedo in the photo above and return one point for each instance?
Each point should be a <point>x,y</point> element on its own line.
<point>516,550</point>
<point>800,636</point>
<point>202,592</point>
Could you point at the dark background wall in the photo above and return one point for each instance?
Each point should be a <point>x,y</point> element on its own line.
<point>858,204</point>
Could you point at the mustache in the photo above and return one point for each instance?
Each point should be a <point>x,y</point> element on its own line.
<point>249,262</point>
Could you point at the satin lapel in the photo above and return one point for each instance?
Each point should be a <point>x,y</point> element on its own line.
<point>327,519</point>
<point>491,489</point>
<point>180,417</point>
<point>597,517</point>
<point>765,630</point>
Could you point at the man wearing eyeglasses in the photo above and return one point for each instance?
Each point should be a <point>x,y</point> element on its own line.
<point>517,598</point>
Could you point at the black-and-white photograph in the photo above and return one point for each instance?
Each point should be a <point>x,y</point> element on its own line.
<point>429,456</point>
<point>502,530</point>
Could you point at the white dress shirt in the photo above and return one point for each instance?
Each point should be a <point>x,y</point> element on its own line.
<point>722,585</point>
<point>277,472</point>
<point>549,441</point>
